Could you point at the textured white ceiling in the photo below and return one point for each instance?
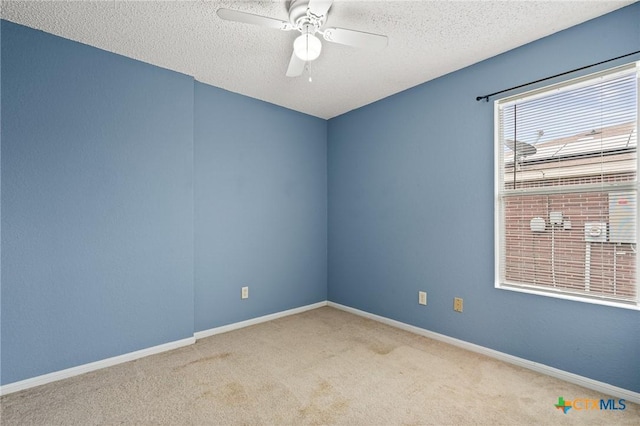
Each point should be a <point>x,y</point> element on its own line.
<point>427,39</point>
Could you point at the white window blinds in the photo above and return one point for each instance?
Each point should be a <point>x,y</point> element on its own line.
<point>566,179</point>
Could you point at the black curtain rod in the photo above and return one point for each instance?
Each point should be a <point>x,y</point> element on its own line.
<point>486,97</point>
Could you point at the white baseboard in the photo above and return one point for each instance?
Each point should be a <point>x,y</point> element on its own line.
<point>253,321</point>
<point>540,368</point>
<point>92,366</point>
<point>85,368</point>
<point>586,382</point>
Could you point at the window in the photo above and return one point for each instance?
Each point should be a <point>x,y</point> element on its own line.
<point>566,189</point>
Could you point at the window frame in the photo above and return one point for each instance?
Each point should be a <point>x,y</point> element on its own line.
<point>499,211</point>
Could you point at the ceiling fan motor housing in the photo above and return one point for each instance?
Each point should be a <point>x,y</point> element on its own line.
<point>301,17</point>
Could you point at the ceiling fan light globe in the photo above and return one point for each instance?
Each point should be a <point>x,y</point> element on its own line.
<point>307,47</point>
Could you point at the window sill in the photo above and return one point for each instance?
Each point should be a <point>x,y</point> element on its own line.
<point>568,296</point>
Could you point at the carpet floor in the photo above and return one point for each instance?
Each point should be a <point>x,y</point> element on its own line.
<point>323,366</point>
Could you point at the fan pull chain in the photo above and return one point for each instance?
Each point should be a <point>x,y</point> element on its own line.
<point>307,68</point>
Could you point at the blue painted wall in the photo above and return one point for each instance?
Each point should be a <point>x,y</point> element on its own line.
<point>411,208</point>
<point>260,208</point>
<point>97,204</point>
<point>136,203</point>
<point>0,200</point>
<point>107,164</point>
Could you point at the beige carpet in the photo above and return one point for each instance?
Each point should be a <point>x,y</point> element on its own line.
<point>321,367</point>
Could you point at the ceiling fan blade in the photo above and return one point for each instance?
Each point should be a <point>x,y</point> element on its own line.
<point>296,66</point>
<point>250,18</point>
<point>320,7</point>
<point>355,38</point>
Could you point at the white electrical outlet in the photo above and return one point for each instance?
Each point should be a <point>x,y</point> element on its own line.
<point>422,297</point>
<point>245,292</point>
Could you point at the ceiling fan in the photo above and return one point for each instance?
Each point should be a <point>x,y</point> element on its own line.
<point>308,17</point>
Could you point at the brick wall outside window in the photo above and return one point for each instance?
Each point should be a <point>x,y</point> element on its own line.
<point>529,258</point>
